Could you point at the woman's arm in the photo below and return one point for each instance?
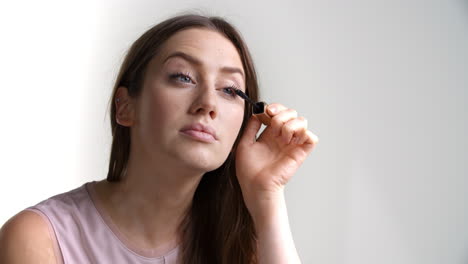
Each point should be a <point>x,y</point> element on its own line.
<point>25,239</point>
<point>275,242</point>
<point>264,165</point>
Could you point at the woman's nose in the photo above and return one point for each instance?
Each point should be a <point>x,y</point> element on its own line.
<point>205,102</point>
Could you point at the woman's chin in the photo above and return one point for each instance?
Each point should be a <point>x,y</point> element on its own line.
<point>204,163</point>
<point>199,158</point>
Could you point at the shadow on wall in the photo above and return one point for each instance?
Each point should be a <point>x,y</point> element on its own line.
<point>464,3</point>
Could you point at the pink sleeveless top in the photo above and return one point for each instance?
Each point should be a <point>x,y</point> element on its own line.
<point>85,234</point>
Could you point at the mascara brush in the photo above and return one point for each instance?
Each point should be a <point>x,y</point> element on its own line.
<point>258,108</point>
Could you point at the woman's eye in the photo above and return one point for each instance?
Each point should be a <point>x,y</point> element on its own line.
<point>230,91</point>
<point>181,77</point>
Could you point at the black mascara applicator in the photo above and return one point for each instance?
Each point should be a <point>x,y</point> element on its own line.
<point>258,108</point>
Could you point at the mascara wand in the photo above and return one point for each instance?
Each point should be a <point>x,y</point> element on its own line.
<point>258,108</point>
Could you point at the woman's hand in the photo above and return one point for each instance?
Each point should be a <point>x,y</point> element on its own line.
<point>266,164</point>
<point>263,168</point>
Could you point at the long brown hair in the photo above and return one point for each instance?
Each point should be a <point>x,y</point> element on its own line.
<point>218,227</point>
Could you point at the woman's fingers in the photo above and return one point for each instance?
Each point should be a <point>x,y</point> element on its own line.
<point>295,130</point>
<point>250,132</point>
<point>278,121</point>
<point>311,138</point>
<point>275,108</point>
<point>286,123</point>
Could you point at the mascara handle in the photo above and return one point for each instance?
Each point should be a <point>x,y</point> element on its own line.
<point>265,118</point>
<point>259,110</point>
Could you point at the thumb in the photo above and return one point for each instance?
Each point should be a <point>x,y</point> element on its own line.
<point>250,132</point>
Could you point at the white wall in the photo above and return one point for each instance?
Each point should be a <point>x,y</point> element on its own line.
<point>384,84</point>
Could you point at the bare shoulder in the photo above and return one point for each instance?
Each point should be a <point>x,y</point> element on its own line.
<point>25,238</point>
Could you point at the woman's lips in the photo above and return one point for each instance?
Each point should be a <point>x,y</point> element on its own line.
<point>199,135</point>
<point>200,132</point>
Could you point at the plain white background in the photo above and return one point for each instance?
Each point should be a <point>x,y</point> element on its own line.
<point>384,84</point>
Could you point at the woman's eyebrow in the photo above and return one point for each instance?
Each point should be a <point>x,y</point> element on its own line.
<point>197,62</point>
<point>233,70</point>
<point>184,56</point>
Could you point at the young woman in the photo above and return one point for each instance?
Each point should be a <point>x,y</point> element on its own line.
<point>188,180</point>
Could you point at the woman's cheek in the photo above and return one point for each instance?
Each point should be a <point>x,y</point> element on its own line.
<point>238,123</point>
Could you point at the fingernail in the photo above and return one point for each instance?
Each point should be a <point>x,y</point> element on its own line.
<point>273,109</point>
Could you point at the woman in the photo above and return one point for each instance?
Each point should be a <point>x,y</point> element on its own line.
<point>188,180</point>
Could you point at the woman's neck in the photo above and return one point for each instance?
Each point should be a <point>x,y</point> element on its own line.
<point>149,202</point>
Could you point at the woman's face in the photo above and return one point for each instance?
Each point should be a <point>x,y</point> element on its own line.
<point>186,89</point>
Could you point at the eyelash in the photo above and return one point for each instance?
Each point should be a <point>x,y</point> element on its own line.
<point>232,87</point>
<point>180,74</point>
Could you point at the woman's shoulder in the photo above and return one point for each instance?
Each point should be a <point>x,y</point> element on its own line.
<point>25,238</point>
<point>31,231</point>
<point>59,205</point>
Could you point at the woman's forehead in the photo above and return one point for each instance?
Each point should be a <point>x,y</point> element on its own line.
<point>204,45</point>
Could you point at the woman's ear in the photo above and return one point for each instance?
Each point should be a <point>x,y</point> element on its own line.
<point>125,108</point>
